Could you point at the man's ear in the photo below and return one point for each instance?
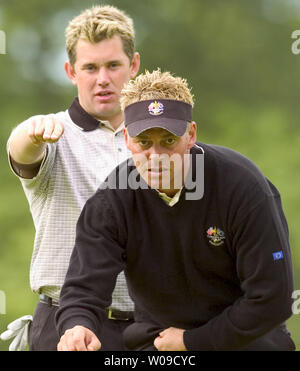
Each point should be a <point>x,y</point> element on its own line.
<point>125,136</point>
<point>192,134</point>
<point>135,65</point>
<point>70,71</point>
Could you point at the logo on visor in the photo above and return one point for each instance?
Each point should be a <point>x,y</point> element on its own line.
<point>156,108</point>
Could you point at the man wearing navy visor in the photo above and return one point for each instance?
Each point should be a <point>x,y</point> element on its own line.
<point>198,230</point>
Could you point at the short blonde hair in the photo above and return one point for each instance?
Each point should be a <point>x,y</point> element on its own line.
<point>99,23</point>
<point>156,85</point>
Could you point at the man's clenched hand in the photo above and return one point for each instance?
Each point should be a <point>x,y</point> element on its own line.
<point>170,339</point>
<point>45,129</point>
<point>79,338</point>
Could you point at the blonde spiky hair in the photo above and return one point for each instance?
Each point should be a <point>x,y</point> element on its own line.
<point>99,23</point>
<point>156,85</point>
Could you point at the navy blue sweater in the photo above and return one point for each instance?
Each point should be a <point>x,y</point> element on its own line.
<point>219,267</point>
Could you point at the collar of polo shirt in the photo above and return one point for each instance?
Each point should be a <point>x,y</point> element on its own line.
<point>81,118</point>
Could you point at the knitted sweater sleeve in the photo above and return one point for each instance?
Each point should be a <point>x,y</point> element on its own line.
<point>95,263</point>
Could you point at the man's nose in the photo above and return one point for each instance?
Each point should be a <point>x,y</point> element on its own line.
<point>155,151</point>
<point>103,77</point>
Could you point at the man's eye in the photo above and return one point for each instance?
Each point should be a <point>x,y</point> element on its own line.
<point>144,143</point>
<point>89,67</point>
<point>114,65</point>
<point>170,141</point>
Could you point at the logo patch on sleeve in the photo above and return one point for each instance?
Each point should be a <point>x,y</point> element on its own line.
<point>278,255</point>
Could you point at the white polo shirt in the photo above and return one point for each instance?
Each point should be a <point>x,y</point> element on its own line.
<point>71,172</point>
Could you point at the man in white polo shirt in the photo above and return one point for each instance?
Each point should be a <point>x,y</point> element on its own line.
<point>62,158</point>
